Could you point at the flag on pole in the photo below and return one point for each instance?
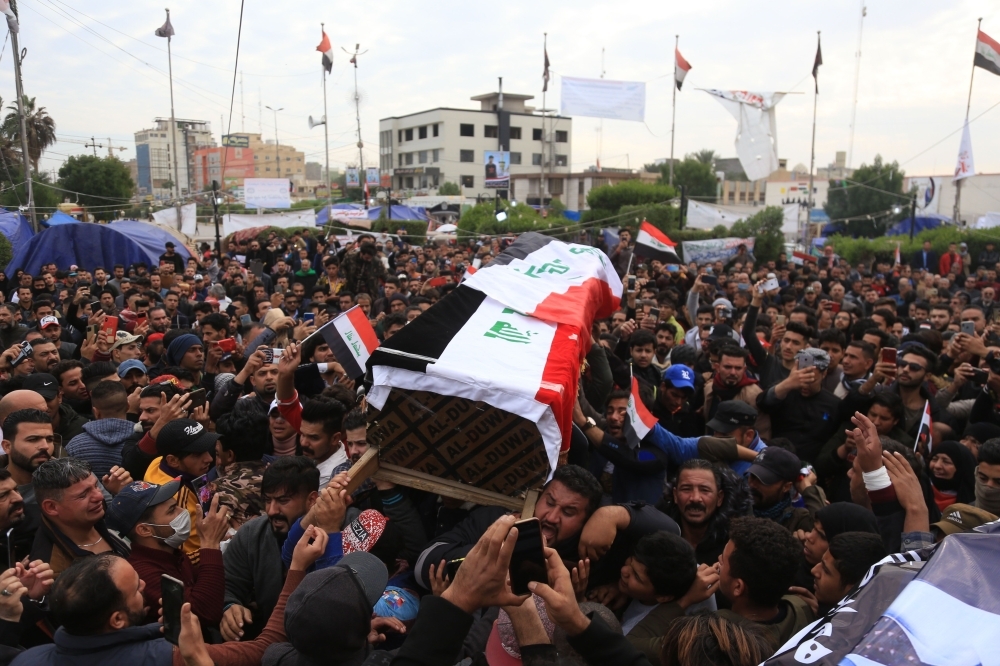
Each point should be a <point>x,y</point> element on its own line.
<point>640,420</point>
<point>966,165</point>
<point>11,16</point>
<point>545,72</point>
<point>166,30</point>
<point>987,53</point>
<point>924,434</point>
<point>899,261</point>
<point>352,340</point>
<point>817,62</point>
<point>327,51</point>
<point>652,243</point>
<point>681,68</point>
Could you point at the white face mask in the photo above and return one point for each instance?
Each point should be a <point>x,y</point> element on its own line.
<point>181,525</point>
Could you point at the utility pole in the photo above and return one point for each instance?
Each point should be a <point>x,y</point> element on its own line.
<point>19,88</point>
<point>673,114</point>
<point>812,158</point>
<point>968,105</point>
<point>243,115</point>
<point>173,119</point>
<point>93,145</point>
<point>277,155</point>
<point>215,216</point>
<point>326,140</point>
<point>357,108</point>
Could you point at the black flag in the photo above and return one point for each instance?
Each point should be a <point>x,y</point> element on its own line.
<point>817,62</point>
<point>545,74</point>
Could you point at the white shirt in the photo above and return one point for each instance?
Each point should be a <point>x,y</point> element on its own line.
<point>634,614</point>
<point>327,466</point>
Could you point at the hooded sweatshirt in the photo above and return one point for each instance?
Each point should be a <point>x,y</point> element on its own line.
<point>101,443</point>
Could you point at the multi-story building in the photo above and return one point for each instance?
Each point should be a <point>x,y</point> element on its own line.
<point>422,150</point>
<point>276,161</point>
<point>154,155</point>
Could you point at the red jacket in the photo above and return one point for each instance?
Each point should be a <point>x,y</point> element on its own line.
<point>204,585</point>
<point>948,260</point>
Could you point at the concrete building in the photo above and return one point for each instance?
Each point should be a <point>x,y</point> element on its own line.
<point>276,162</point>
<point>572,188</point>
<point>154,155</point>
<point>419,151</point>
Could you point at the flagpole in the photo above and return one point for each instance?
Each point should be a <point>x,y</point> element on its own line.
<point>173,120</point>
<point>812,158</point>
<point>19,89</point>
<point>673,115</point>
<point>326,138</point>
<point>968,105</point>
<point>541,162</point>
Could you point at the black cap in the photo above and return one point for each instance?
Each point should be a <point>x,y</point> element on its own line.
<point>43,384</point>
<point>775,464</point>
<point>184,436</point>
<point>732,414</point>
<point>169,244</point>
<point>724,332</point>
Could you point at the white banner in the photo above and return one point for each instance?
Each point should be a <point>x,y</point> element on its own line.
<point>966,165</point>
<point>356,217</point>
<point>233,223</point>
<point>708,216</point>
<point>928,194</point>
<point>601,98</point>
<point>756,133</point>
<point>189,222</point>
<point>267,193</point>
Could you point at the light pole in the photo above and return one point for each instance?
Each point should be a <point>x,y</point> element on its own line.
<point>277,155</point>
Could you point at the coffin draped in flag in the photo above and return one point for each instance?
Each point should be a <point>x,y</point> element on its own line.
<point>652,243</point>
<point>480,388</point>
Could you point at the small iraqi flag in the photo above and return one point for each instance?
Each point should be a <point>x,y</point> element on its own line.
<point>652,243</point>
<point>352,340</point>
<point>924,435</point>
<point>987,53</point>
<point>327,51</point>
<point>640,419</point>
<point>681,68</point>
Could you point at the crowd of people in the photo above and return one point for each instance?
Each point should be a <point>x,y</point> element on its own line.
<point>182,420</point>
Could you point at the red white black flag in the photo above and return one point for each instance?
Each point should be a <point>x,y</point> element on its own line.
<point>327,51</point>
<point>352,340</point>
<point>640,420</point>
<point>987,53</point>
<point>924,435</point>
<point>652,243</point>
<point>681,68</point>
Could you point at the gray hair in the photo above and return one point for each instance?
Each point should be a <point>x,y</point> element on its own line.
<point>54,476</point>
<point>217,290</point>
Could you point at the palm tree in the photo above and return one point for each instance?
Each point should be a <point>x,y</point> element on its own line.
<point>10,153</point>
<point>41,129</point>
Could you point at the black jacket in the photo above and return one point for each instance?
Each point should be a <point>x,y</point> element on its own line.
<point>808,422</point>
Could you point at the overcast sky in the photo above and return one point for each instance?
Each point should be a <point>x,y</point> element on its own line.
<point>99,70</point>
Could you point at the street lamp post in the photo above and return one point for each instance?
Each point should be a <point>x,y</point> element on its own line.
<point>277,155</point>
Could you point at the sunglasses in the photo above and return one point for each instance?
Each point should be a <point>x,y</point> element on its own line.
<point>914,367</point>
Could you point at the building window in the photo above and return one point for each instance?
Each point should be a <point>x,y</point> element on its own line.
<point>409,158</point>
<point>562,136</point>
<point>466,130</point>
<point>267,169</point>
<point>400,136</point>
<point>256,157</point>
<point>536,159</point>
<point>409,181</point>
<point>422,157</point>
<point>467,156</point>
<point>435,126</point>
<point>561,160</point>
<point>422,132</point>
<point>491,131</point>
<point>556,186</point>
<point>579,187</point>
<point>515,158</point>
<point>536,134</point>
<point>434,153</point>
<point>409,134</point>
<point>515,132</point>
<point>468,181</point>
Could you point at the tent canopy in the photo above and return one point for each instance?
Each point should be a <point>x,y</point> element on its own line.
<point>398,212</point>
<point>16,228</point>
<point>924,222</point>
<point>59,218</point>
<point>91,245</point>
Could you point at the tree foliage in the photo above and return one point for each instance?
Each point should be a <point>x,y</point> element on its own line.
<point>629,193</point>
<point>101,181</point>
<point>765,226</point>
<point>39,125</point>
<point>882,189</point>
<point>481,219</point>
<point>697,178</point>
<point>449,189</point>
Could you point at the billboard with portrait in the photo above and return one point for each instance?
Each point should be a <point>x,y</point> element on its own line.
<point>371,175</point>
<point>352,177</point>
<point>497,165</point>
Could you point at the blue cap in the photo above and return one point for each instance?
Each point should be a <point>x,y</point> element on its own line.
<point>127,507</point>
<point>679,376</point>
<point>131,364</point>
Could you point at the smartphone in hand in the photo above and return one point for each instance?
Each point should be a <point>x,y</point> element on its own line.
<point>172,591</point>
<point>888,355</point>
<point>527,562</point>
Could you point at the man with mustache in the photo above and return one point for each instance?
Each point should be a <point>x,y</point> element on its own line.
<point>28,441</point>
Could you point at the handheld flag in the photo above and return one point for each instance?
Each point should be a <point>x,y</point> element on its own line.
<point>352,340</point>
<point>652,243</point>
<point>817,62</point>
<point>166,30</point>
<point>681,68</point>
<point>640,420</point>
<point>966,165</point>
<point>898,259</point>
<point>545,72</point>
<point>327,51</point>
<point>987,53</point>
<point>924,434</point>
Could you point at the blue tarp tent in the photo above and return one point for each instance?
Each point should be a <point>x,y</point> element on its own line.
<point>16,228</point>
<point>398,213</point>
<point>91,245</point>
<point>59,218</point>
<point>925,222</point>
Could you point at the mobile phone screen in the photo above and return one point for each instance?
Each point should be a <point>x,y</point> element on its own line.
<point>527,563</point>
<point>10,548</point>
<point>172,591</point>
<point>309,317</point>
<point>888,355</point>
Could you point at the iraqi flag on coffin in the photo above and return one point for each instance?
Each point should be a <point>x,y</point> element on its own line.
<point>481,387</point>
<point>652,243</point>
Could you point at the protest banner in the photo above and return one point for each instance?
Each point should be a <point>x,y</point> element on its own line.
<point>715,249</point>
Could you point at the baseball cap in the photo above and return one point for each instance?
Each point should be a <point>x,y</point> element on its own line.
<point>129,365</point>
<point>820,358</point>
<point>723,331</point>
<point>127,507</point>
<point>731,414</point>
<point>169,244</point>
<point>154,337</point>
<point>184,436</point>
<point>43,384</point>
<point>962,518</point>
<point>199,278</point>
<point>810,290</point>
<point>679,376</point>
<point>45,322</point>
<point>363,531</point>
<point>775,464</point>
<point>123,338</point>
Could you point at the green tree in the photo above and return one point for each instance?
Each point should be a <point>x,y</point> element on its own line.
<point>46,198</point>
<point>448,189</point>
<point>882,189</point>
<point>765,226</point>
<point>697,178</point>
<point>705,156</point>
<point>40,129</point>
<point>101,181</point>
<point>629,193</point>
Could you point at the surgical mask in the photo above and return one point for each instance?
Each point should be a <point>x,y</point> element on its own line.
<point>181,525</point>
<point>987,497</point>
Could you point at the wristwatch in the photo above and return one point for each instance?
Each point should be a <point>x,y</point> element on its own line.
<point>591,423</point>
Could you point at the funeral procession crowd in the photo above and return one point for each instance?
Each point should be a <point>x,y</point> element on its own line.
<point>748,439</point>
